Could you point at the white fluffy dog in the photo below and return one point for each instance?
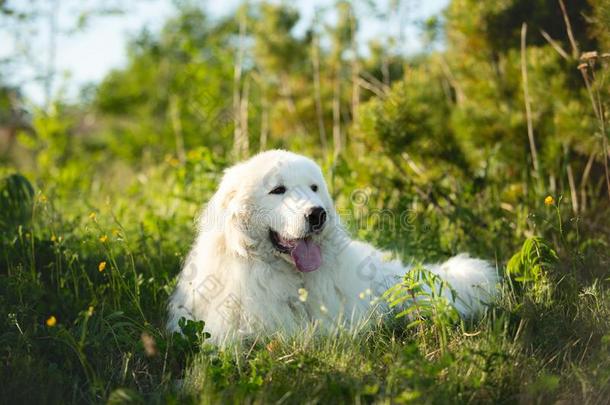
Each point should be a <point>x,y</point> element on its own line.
<point>271,256</point>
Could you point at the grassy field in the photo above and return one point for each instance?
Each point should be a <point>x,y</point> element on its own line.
<point>89,256</point>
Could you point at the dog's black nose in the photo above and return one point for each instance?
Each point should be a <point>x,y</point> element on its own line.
<point>316,219</point>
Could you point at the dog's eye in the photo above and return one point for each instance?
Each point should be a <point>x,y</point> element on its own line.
<point>314,188</point>
<point>278,190</point>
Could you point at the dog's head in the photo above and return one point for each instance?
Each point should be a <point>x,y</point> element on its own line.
<point>275,204</point>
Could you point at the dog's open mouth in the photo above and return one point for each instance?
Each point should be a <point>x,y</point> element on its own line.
<point>306,254</point>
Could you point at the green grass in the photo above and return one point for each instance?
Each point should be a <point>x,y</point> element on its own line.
<point>546,340</point>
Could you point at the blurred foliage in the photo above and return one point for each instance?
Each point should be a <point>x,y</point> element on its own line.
<point>16,197</point>
<point>426,155</point>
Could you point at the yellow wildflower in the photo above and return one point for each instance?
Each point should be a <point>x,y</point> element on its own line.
<point>90,311</point>
<point>53,238</point>
<point>549,200</point>
<point>52,321</point>
<point>101,267</point>
<point>303,294</point>
<point>92,216</point>
<point>103,238</point>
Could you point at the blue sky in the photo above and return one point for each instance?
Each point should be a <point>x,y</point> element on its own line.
<point>86,56</point>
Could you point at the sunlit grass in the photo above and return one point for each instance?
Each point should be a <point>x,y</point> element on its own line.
<point>85,284</point>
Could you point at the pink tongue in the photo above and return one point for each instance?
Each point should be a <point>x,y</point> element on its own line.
<point>307,256</point>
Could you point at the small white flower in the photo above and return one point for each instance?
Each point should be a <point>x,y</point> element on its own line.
<point>365,293</point>
<point>303,294</point>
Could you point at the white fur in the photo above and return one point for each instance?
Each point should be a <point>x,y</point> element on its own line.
<point>240,285</point>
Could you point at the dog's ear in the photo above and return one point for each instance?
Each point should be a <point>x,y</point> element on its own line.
<point>228,212</point>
